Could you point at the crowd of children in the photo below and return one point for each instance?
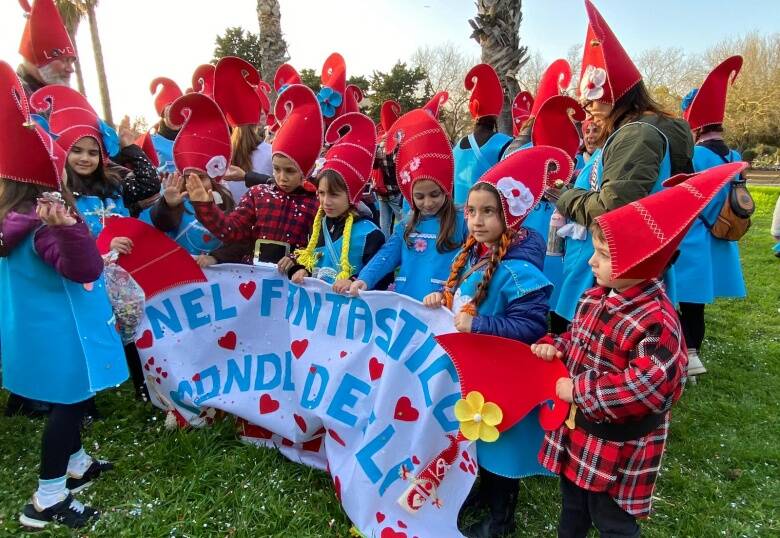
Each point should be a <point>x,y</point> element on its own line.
<point>569,236</point>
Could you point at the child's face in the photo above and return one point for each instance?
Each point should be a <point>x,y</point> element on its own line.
<point>428,197</point>
<point>601,266</point>
<point>334,205</point>
<point>286,173</point>
<point>204,179</point>
<point>483,217</point>
<point>84,156</point>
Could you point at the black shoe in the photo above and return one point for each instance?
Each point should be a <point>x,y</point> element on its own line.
<point>69,512</point>
<point>78,483</point>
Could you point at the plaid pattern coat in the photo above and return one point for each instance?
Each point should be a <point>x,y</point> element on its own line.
<point>627,358</point>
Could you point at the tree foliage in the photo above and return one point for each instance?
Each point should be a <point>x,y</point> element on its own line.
<point>407,85</point>
<point>242,43</point>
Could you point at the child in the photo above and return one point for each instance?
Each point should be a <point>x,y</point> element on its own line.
<point>277,216</point>
<point>627,359</point>
<point>497,287</point>
<point>342,241</point>
<point>425,244</point>
<point>50,269</point>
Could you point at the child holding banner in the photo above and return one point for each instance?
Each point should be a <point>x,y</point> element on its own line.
<point>425,244</point>
<point>50,269</point>
<point>497,287</point>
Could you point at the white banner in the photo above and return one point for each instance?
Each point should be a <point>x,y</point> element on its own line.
<point>355,386</point>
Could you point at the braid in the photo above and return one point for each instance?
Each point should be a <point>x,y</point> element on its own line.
<point>499,251</point>
<point>346,268</point>
<point>306,256</point>
<point>457,266</point>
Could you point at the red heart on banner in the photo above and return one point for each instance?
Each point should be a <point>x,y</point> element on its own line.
<point>268,404</point>
<point>343,354</point>
<point>228,341</point>
<point>401,524</point>
<point>196,377</point>
<point>404,410</point>
<point>300,422</point>
<point>146,340</point>
<point>375,368</point>
<point>336,437</point>
<point>158,369</point>
<point>165,375</point>
<point>151,360</point>
<point>380,517</point>
<point>298,348</point>
<point>247,289</point>
<point>415,460</point>
<point>388,532</point>
<point>206,238</point>
<point>146,366</point>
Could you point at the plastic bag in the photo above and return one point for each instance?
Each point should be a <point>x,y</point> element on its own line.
<point>126,296</point>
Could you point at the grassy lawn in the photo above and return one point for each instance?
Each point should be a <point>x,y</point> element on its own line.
<point>721,475</point>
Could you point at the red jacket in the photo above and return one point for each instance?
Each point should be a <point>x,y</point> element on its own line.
<point>627,358</point>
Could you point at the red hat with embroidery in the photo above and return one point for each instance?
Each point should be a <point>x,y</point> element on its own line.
<point>607,71</point>
<point>203,79</point>
<point>554,124</point>
<point>203,143</point>
<point>521,178</point>
<point>709,103</point>
<point>169,93</point>
<point>145,143</point>
<point>285,76</point>
<point>521,110</point>
<point>27,152</point>
<point>334,85</point>
<point>424,152</point>
<point>352,97</point>
<point>436,102</point>
<point>299,137</point>
<point>555,80</point>
<point>235,91</point>
<point>389,113</point>
<point>487,96</point>
<point>45,38</point>
<point>644,235</point>
<point>353,139</point>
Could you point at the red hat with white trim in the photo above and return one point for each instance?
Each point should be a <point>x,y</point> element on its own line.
<point>554,81</point>
<point>169,93</point>
<point>521,110</point>
<point>45,38</point>
<point>285,76</point>
<point>487,96</point>
<point>299,137</point>
<point>203,143</point>
<point>554,124</point>
<point>203,79</point>
<point>235,91</point>
<point>709,104</point>
<point>353,139</point>
<point>353,95</point>
<point>436,102</point>
<point>389,113</point>
<point>263,92</point>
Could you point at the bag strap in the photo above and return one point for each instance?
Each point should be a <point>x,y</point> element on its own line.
<point>477,151</point>
<point>473,269</point>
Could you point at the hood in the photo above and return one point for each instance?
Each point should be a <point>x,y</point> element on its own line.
<point>680,140</point>
<point>15,228</point>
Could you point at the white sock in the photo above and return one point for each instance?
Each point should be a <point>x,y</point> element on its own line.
<point>79,463</point>
<point>50,492</point>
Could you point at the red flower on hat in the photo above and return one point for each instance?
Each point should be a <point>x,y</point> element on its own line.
<point>592,83</point>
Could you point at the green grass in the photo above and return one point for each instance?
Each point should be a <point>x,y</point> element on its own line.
<point>721,474</point>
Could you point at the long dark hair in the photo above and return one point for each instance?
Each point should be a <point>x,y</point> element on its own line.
<point>630,107</point>
<point>18,196</point>
<point>445,242</point>
<point>103,183</point>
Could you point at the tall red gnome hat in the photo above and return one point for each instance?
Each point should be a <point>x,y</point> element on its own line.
<point>334,85</point>
<point>709,104</point>
<point>554,124</point>
<point>352,152</point>
<point>45,38</point>
<point>389,113</point>
<point>353,95</point>
<point>169,93</point>
<point>203,143</point>
<point>521,178</point>
<point>644,235</point>
<point>203,79</point>
<point>285,76</point>
<point>487,96</point>
<point>554,81</point>
<point>424,152</point>
<point>263,91</point>
<point>299,137</point>
<point>436,102</point>
<point>235,91</point>
<point>521,110</point>
<point>145,143</point>
<point>607,71</point>
<point>27,152</point>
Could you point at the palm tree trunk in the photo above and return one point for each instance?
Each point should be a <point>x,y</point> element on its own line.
<point>99,63</point>
<point>273,47</point>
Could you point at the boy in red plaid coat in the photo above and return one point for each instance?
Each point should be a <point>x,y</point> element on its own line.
<point>627,359</point>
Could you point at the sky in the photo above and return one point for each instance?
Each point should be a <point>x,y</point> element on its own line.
<point>144,39</point>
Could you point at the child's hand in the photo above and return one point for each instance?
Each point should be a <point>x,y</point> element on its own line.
<point>123,245</point>
<point>463,322</point>
<point>564,388</point>
<point>172,189</point>
<point>342,285</point>
<point>204,260</point>
<point>53,214</point>
<point>196,191</point>
<point>434,300</point>
<point>285,264</point>
<point>299,275</point>
<point>545,351</point>
<point>356,287</point>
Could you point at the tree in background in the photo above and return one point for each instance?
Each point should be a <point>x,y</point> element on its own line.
<point>311,78</point>
<point>242,43</point>
<point>273,47</point>
<point>72,13</point>
<point>100,65</point>
<point>407,85</point>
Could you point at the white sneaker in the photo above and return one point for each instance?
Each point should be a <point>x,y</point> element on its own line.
<point>695,366</point>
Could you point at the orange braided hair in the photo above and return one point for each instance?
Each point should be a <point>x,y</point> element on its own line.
<point>498,253</point>
<point>457,267</point>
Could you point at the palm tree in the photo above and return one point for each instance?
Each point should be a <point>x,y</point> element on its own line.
<point>273,47</point>
<point>72,14</point>
<point>99,64</point>
<point>497,30</point>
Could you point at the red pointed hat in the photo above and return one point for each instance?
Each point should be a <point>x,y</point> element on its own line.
<point>521,110</point>
<point>203,143</point>
<point>334,84</point>
<point>709,104</point>
<point>263,91</point>
<point>285,76</point>
<point>554,81</point>
<point>644,235</point>
<point>554,124</point>
<point>353,95</point>
<point>424,152</point>
<point>607,71</point>
<point>521,178</point>
<point>436,102</point>
<point>169,93</point>
<point>352,152</point>
<point>71,117</point>
<point>27,152</point>
<point>235,91</point>
<point>45,38</point>
<point>203,79</point>
<point>389,114</point>
<point>487,96</point>
<point>299,137</point>
<point>145,143</point>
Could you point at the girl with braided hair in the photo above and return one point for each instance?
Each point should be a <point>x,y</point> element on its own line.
<point>496,286</point>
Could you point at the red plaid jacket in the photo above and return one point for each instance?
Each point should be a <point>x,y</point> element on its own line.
<point>627,358</point>
<point>265,212</point>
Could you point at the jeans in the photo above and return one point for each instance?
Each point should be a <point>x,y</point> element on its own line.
<point>390,212</point>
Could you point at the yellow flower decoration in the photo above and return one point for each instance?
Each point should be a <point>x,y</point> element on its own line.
<point>478,419</point>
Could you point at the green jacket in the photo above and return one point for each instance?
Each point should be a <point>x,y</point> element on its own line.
<point>631,163</point>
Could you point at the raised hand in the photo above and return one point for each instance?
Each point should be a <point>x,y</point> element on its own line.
<point>172,189</point>
<point>196,191</point>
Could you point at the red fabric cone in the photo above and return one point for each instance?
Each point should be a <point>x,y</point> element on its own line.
<point>71,117</point>
<point>353,96</point>
<point>235,91</point>
<point>203,79</point>
<point>555,80</point>
<point>487,96</point>
<point>285,76</point>
<point>263,91</point>
<point>709,104</point>
<point>521,110</point>
<point>169,93</point>
<point>145,143</point>
<point>203,143</point>
<point>436,102</point>
<point>44,38</point>
<point>352,152</point>
<point>299,137</point>
<point>554,124</point>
